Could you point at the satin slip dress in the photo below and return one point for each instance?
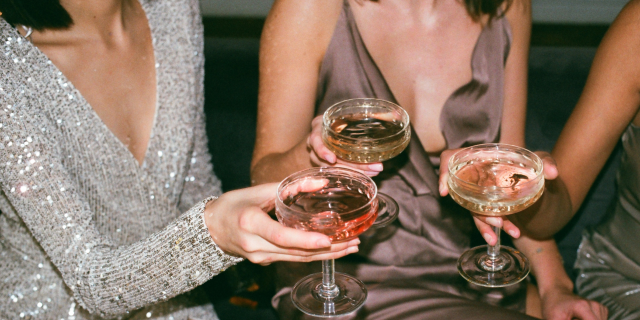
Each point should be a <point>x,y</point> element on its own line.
<point>409,267</point>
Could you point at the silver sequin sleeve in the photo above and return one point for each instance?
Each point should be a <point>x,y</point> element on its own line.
<point>105,279</point>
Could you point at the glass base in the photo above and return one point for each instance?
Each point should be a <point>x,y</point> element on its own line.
<point>387,211</point>
<point>350,297</point>
<point>508,268</point>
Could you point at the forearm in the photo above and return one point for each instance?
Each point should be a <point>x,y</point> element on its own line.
<point>172,261</point>
<point>549,214</point>
<point>609,102</point>
<point>546,264</point>
<point>294,40</point>
<point>274,167</point>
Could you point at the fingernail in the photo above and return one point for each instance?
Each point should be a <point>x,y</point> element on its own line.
<point>441,188</point>
<point>513,233</point>
<point>354,242</point>
<point>330,158</point>
<point>323,243</point>
<point>487,237</point>
<point>352,250</point>
<point>376,166</point>
<point>494,221</point>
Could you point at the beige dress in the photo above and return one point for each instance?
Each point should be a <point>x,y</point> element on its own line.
<point>409,267</point>
<point>85,231</point>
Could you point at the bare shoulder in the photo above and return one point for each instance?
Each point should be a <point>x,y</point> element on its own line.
<point>299,24</point>
<point>621,44</point>
<point>627,23</point>
<point>519,16</point>
<point>631,11</point>
<point>518,9</point>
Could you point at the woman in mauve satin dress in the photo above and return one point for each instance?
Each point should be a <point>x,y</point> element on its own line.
<point>459,68</point>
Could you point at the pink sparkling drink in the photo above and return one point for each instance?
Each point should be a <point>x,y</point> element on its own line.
<point>340,203</point>
<point>335,202</point>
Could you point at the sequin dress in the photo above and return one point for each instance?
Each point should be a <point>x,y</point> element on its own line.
<point>85,231</point>
<point>608,261</point>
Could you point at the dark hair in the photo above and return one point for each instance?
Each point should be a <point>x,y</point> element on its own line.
<point>37,14</point>
<point>478,8</point>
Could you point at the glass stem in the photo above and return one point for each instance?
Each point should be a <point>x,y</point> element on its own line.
<point>328,289</point>
<point>493,261</point>
<point>494,250</point>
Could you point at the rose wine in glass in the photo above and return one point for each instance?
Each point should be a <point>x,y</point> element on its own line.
<point>495,180</point>
<point>368,130</point>
<point>340,203</point>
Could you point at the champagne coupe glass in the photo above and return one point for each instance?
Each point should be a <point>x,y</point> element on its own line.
<point>495,180</point>
<point>366,130</point>
<point>340,203</point>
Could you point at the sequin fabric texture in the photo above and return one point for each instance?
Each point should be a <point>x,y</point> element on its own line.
<point>85,231</point>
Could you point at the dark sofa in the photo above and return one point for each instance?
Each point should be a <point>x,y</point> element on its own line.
<point>556,78</point>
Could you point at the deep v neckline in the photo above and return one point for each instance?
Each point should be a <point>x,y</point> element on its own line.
<point>86,106</point>
<point>366,58</point>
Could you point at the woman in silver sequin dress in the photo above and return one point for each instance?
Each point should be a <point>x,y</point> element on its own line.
<point>105,173</point>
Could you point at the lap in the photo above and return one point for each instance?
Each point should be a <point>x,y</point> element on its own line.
<point>402,301</point>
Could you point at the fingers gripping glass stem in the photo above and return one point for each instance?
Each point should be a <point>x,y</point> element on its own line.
<point>340,203</point>
<point>495,180</point>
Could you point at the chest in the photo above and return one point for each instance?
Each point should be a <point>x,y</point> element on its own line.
<point>130,200</point>
<point>118,82</point>
<point>424,58</point>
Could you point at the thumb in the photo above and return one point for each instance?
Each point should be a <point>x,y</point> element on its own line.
<point>444,171</point>
<point>550,167</point>
<point>288,237</point>
<point>262,195</point>
<point>583,311</point>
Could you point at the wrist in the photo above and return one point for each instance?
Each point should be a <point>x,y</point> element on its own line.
<point>556,285</point>
<point>207,213</point>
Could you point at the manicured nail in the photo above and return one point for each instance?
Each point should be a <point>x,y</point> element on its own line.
<point>352,250</point>
<point>376,167</point>
<point>487,237</point>
<point>323,243</point>
<point>494,221</point>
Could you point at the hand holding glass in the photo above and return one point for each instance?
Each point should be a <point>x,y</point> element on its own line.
<point>340,203</point>
<point>364,131</point>
<point>495,180</point>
